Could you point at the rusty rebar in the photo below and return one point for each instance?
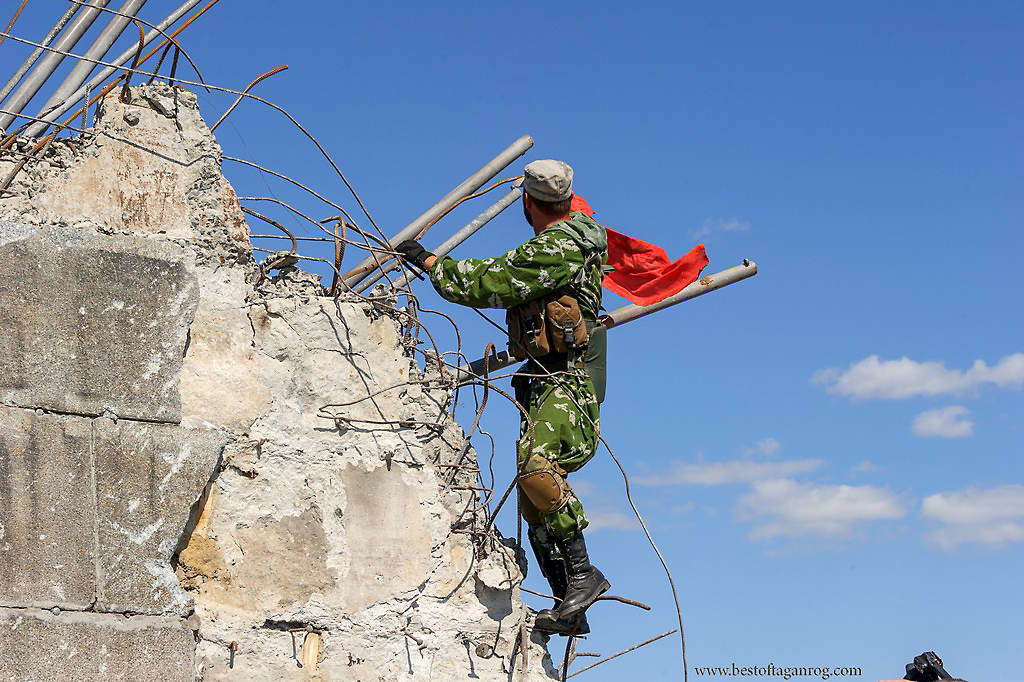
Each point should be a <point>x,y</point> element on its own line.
<point>249,87</point>
<point>624,651</point>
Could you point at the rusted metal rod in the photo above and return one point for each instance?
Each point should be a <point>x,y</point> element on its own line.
<point>44,69</point>
<point>125,56</point>
<point>624,651</point>
<point>249,87</point>
<point>464,189</point>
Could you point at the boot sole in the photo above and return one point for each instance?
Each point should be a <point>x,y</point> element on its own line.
<point>601,589</point>
<point>562,632</point>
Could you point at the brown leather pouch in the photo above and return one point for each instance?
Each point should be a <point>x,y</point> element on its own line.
<point>566,328</point>
<point>527,330</point>
<point>552,324</point>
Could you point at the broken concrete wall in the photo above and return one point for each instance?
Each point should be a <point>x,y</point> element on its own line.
<point>164,455</point>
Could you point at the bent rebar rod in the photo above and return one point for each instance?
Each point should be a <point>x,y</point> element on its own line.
<point>98,48</point>
<point>23,69</point>
<point>464,189</point>
<point>621,316</point>
<point>105,73</point>
<point>44,69</point>
<point>462,235</point>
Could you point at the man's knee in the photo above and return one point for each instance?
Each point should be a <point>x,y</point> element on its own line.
<point>527,510</point>
<point>544,485</point>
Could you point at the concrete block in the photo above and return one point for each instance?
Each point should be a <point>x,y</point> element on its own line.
<point>148,480</point>
<point>93,323</point>
<point>47,511</point>
<point>388,537</point>
<point>38,645</point>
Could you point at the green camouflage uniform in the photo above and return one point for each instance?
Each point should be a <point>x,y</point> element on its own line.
<point>563,408</point>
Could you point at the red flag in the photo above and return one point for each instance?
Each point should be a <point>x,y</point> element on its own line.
<point>643,273</point>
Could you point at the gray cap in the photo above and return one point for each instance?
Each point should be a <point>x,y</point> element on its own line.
<point>548,180</point>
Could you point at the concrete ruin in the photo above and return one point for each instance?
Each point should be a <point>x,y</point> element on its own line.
<point>172,504</point>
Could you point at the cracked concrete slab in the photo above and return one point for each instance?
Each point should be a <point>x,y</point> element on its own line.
<point>47,513</point>
<point>38,645</point>
<point>148,480</point>
<point>93,323</point>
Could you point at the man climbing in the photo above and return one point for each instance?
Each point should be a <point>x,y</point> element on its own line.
<point>551,286</point>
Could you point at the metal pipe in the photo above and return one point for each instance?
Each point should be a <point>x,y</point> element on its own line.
<point>125,56</point>
<point>467,187</point>
<point>462,235</point>
<point>44,69</point>
<point>630,312</point>
<point>97,50</point>
<point>23,69</point>
<point>702,286</point>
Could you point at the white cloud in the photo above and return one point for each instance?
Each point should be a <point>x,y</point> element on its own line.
<point>583,487</point>
<point>730,471</point>
<point>944,422</point>
<point>766,446</point>
<point>993,516</point>
<point>606,520</point>
<point>710,225</point>
<point>863,467</point>
<point>906,378</point>
<point>788,508</point>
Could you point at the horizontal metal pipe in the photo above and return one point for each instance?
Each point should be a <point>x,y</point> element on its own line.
<point>462,235</point>
<point>97,50</point>
<point>621,316</point>
<point>51,60</point>
<point>125,56</point>
<point>23,69</point>
<point>464,189</point>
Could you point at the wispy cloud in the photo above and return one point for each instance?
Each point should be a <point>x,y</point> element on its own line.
<point>610,520</point>
<point>944,422</point>
<point>788,508</point>
<point>906,378</point>
<point>863,467</point>
<point>766,446</point>
<point>730,471</point>
<point>711,225</point>
<point>985,516</point>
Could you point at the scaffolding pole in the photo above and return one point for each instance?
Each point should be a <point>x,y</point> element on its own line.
<point>23,69</point>
<point>464,189</point>
<point>95,81</point>
<point>50,61</point>
<point>97,50</point>
<point>462,235</point>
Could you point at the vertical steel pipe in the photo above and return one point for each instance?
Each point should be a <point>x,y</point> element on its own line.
<point>125,56</point>
<point>50,61</point>
<point>97,50</point>
<point>621,316</point>
<point>23,69</point>
<point>464,189</point>
<point>462,235</point>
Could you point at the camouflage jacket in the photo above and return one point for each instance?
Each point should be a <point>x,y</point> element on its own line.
<point>549,261</point>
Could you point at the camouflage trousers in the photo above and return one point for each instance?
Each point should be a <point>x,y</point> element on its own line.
<point>566,425</point>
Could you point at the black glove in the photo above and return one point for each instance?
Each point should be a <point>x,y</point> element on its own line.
<point>413,252</point>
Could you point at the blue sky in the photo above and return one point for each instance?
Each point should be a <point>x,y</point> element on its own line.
<point>828,453</point>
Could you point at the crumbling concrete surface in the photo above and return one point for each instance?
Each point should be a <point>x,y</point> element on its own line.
<point>164,455</point>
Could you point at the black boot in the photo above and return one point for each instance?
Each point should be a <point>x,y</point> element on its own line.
<point>586,582</point>
<point>553,569</point>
